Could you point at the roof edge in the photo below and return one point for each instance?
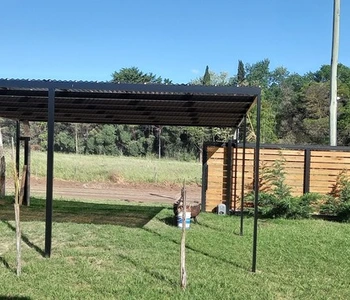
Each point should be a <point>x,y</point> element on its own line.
<point>127,87</point>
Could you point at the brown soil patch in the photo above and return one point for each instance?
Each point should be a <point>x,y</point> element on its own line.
<point>148,193</point>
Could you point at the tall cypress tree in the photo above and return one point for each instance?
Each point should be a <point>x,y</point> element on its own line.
<point>206,77</point>
<point>240,72</point>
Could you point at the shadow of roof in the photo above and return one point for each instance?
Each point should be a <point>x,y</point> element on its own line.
<point>82,212</point>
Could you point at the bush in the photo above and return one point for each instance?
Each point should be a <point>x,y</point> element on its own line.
<point>330,206</point>
<point>343,212</point>
<point>299,207</point>
<point>338,201</point>
<point>271,206</point>
<point>275,199</point>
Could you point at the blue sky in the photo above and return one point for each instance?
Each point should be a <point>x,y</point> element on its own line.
<point>176,39</point>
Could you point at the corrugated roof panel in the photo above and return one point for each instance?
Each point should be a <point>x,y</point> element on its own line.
<point>91,102</point>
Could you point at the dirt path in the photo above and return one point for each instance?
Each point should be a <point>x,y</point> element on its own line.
<point>111,191</point>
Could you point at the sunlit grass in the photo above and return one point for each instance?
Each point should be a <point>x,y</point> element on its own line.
<point>138,258</point>
<point>121,169</point>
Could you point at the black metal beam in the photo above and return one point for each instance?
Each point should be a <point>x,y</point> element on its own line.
<point>18,145</point>
<point>243,171</point>
<point>235,177</point>
<point>299,147</point>
<point>26,198</point>
<point>135,120</point>
<point>307,163</point>
<point>256,182</point>
<point>49,176</point>
<point>229,177</point>
<point>204,177</point>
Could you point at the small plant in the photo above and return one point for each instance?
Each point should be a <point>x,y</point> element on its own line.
<point>330,206</point>
<point>299,207</point>
<point>275,199</point>
<point>338,200</point>
<point>277,176</point>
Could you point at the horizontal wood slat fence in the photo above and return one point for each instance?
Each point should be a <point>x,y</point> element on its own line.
<point>308,169</point>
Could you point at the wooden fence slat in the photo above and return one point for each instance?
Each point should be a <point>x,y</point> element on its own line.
<point>316,153</point>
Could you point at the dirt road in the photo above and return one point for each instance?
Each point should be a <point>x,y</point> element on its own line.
<point>111,191</point>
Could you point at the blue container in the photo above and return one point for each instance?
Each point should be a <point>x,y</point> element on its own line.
<point>188,220</point>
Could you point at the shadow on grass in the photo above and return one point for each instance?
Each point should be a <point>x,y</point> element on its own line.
<point>26,239</point>
<point>170,221</point>
<point>5,263</point>
<point>221,259</point>
<point>14,297</point>
<point>154,274</point>
<point>82,212</point>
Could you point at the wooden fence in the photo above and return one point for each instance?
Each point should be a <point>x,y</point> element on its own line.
<point>308,169</point>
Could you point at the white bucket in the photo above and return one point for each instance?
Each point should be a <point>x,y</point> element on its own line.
<point>188,220</point>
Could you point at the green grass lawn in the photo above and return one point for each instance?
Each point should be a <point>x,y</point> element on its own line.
<point>131,251</point>
<point>120,169</point>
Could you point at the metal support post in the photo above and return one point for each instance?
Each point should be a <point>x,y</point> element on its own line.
<point>49,176</point>
<point>256,182</point>
<point>243,170</point>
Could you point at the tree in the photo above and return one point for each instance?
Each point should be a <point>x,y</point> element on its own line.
<point>258,74</point>
<point>134,75</point>
<point>289,109</point>
<point>193,138</point>
<point>206,77</point>
<point>217,79</point>
<point>240,73</point>
<point>316,122</point>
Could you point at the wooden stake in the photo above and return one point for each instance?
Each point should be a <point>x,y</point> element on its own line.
<point>183,275</point>
<point>23,181</point>
<point>17,213</point>
<point>2,168</point>
<point>18,238</point>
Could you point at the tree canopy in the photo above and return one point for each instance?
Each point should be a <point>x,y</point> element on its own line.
<point>134,75</point>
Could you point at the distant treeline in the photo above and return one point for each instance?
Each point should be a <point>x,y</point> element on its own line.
<point>295,110</point>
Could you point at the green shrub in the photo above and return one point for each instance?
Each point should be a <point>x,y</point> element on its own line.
<point>275,199</point>
<point>344,195</point>
<point>343,209</point>
<point>330,206</point>
<point>299,207</point>
<point>338,200</point>
<point>343,212</point>
<point>276,175</point>
<point>271,206</point>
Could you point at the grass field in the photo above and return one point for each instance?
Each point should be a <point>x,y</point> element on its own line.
<point>120,169</point>
<point>131,251</point>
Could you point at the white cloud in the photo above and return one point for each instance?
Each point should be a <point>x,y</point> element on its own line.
<point>195,71</point>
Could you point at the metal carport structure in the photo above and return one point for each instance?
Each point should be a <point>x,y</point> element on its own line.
<point>121,103</point>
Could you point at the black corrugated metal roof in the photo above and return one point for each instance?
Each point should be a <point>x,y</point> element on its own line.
<point>121,103</point>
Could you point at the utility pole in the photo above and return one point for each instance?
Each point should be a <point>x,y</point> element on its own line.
<point>334,66</point>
